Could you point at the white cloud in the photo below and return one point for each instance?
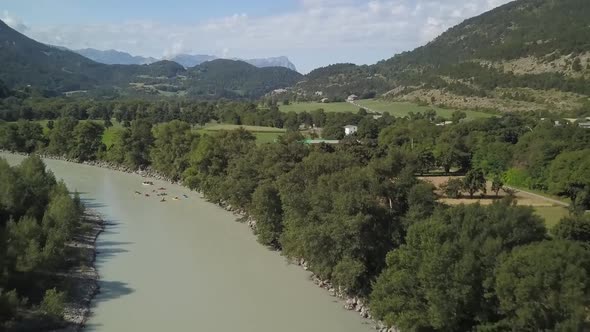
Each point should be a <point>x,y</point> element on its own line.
<point>14,22</point>
<point>319,32</point>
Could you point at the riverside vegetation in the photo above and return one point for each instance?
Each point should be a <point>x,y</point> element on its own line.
<point>357,214</point>
<point>45,276</point>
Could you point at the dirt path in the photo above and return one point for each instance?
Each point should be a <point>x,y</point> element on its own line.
<point>545,198</point>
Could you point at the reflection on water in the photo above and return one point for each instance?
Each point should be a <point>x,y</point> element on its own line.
<point>186,265</point>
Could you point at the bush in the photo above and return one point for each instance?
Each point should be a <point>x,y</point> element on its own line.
<point>53,303</point>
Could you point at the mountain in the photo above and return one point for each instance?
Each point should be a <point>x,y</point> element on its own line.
<point>24,61</point>
<point>189,60</point>
<point>113,57</point>
<point>231,79</point>
<point>525,55</point>
<point>281,61</point>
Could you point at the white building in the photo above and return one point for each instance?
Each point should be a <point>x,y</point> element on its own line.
<point>350,129</point>
<point>352,98</point>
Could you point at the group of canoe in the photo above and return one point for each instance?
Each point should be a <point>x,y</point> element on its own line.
<point>159,192</point>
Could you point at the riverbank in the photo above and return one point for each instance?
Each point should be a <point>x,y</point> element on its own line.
<point>350,303</point>
<point>83,276</point>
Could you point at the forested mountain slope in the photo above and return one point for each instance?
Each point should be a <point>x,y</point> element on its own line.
<point>26,62</point>
<point>229,78</point>
<point>508,58</point>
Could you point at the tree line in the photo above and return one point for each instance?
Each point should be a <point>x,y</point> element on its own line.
<point>359,214</point>
<point>38,217</point>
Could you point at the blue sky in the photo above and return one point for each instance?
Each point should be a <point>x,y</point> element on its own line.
<point>312,33</point>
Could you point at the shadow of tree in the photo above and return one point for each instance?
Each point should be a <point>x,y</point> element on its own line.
<point>109,290</point>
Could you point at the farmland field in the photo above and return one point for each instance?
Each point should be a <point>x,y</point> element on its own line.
<point>549,211</point>
<point>263,134</point>
<point>328,107</point>
<point>397,109</point>
<point>401,109</point>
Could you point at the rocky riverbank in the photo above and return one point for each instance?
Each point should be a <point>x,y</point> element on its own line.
<point>350,303</point>
<point>83,276</point>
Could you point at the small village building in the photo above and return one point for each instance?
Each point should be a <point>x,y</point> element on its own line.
<point>585,125</point>
<point>325,100</point>
<point>352,98</point>
<point>350,129</point>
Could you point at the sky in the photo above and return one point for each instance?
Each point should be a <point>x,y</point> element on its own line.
<point>312,33</point>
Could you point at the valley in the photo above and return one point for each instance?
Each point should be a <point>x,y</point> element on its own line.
<point>443,188</point>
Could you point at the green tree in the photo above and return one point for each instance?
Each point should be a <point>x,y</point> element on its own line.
<point>575,228</point>
<point>452,188</point>
<point>457,116</point>
<point>474,181</point>
<point>61,137</point>
<point>267,210</point>
<point>497,184</point>
<point>139,143</point>
<point>173,141</point>
<point>544,287</point>
<point>86,141</point>
<point>569,176</point>
<point>333,132</point>
<point>443,277</point>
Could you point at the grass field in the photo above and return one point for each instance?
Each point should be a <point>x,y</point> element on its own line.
<point>397,109</point>
<point>328,107</point>
<point>263,134</point>
<point>551,212</point>
<point>401,109</point>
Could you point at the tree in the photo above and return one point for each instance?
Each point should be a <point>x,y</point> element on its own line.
<point>474,181</point>
<point>544,287</point>
<point>173,141</point>
<point>457,116</point>
<point>569,176</point>
<point>333,132</point>
<point>575,228</point>
<point>452,188</point>
<point>442,278</point>
<point>86,141</point>
<point>497,184</point>
<point>267,210</point>
<point>421,202</point>
<point>338,221</point>
<point>139,143</point>
<point>61,137</point>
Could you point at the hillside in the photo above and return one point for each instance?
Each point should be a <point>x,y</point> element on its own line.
<point>231,79</point>
<point>528,54</point>
<point>25,62</point>
<point>113,57</point>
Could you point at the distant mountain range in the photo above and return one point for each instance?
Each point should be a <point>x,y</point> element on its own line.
<point>113,57</point>
<point>26,62</point>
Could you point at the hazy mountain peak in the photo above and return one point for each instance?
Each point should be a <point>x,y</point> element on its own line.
<point>114,57</point>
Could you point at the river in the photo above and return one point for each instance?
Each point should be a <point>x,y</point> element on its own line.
<point>186,265</point>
